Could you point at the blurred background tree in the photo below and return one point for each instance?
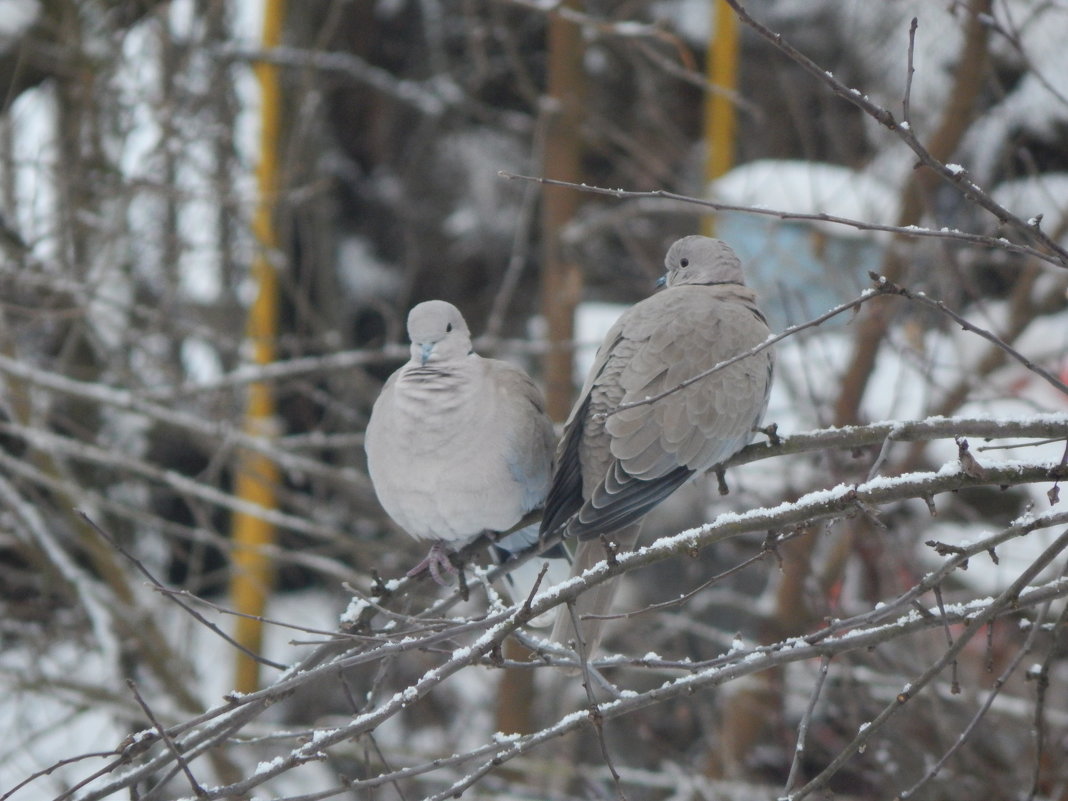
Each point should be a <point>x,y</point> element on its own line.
<point>128,150</point>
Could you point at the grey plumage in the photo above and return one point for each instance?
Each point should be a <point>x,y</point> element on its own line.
<point>614,465</point>
<point>458,444</point>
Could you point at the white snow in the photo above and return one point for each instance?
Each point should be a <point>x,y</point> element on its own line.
<point>592,321</point>
<point>267,767</point>
<point>16,16</point>
<point>1045,194</point>
<point>1035,104</point>
<point>801,267</point>
<point>808,187</point>
<point>200,360</point>
<point>690,18</point>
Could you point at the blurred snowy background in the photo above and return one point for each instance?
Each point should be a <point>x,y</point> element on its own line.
<point>130,135</point>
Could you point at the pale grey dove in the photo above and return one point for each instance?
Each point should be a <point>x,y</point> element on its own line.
<point>457,445</point>
<point>614,466</point>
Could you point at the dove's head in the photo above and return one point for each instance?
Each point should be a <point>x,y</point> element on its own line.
<point>701,260</point>
<point>438,332</point>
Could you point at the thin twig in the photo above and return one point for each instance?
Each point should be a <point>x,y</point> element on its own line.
<point>520,239</point>
<point>222,432</point>
<point>906,114</point>
<point>974,625</point>
<point>911,231</point>
<point>496,627</point>
<point>685,597</point>
<point>1054,426</point>
<point>884,452</point>
<point>1041,679</point>
<point>980,713</point>
<point>931,303</point>
<point>69,761</point>
<point>954,684</point>
<point>222,610</point>
<point>882,287</point>
<point>1052,251</point>
<point>593,711</point>
<point>497,752</point>
<point>802,728</point>
<point>174,596</point>
<point>178,758</point>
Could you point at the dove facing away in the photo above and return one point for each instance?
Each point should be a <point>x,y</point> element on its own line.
<point>614,465</point>
<point>458,444</point>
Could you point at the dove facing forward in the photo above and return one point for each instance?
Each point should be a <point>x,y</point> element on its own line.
<point>613,465</point>
<point>458,444</point>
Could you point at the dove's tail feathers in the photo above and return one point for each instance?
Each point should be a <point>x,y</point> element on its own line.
<point>622,499</point>
<point>520,580</point>
<point>591,606</point>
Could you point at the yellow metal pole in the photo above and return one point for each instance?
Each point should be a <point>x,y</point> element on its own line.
<point>257,475</point>
<point>720,118</point>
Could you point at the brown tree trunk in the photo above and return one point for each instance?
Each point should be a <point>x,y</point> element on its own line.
<point>561,277</point>
<point>872,327</point>
<point>561,286</point>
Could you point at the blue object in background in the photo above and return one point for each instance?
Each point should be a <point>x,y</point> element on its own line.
<point>801,268</point>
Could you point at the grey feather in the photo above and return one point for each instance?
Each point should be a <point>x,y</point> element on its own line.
<point>457,444</point>
<point>614,465</point>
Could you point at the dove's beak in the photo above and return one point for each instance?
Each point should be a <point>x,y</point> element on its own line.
<point>424,352</point>
<point>661,281</point>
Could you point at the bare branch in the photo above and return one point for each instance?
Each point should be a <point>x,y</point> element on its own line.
<point>906,114</point>
<point>952,174</point>
<point>908,231</point>
<point>802,728</point>
<point>922,299</point>
<point>173,596</point>
<point>197,789</point>
<point>973,626</point>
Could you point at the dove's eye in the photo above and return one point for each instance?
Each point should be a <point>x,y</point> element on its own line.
<point>684,262</point>
<point>448,328</point>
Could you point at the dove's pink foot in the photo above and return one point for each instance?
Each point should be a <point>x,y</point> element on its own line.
<point>437,562</point>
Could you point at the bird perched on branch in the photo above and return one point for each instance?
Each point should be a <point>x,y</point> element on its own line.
<point>648,419</point>
<point>458,445</point>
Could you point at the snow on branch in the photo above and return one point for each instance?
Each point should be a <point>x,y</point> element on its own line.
<point>888,622</point>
